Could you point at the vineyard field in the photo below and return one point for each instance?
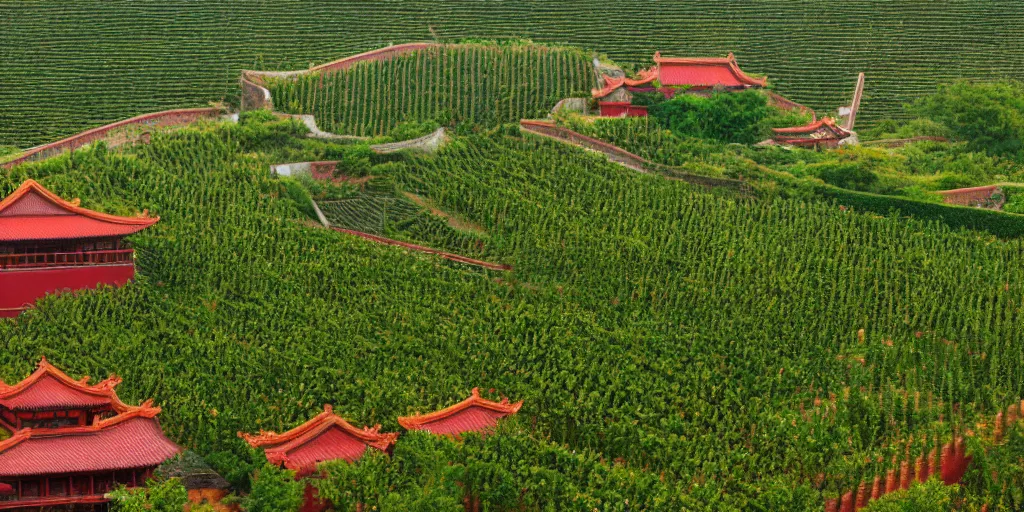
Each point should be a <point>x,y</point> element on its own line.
<point>71,66</point>
<point>695,350</point>
<point>478,84</point>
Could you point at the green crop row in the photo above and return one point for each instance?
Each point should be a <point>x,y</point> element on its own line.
<point>70,66</point>
<point>471,84</point>
<point>710,344</point>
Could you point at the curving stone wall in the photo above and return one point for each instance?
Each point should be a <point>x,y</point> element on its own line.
<point>256,77</point>
<point>116,134</point>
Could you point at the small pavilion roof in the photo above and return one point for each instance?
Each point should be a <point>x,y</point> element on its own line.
<point>811,134</point>
<point>473,414</point>
<point>130,440</point>
<point>704,72</point>
<point>612,83</point>
<point>48,388</point>
<point>33,213</point>
<point>325,437</point>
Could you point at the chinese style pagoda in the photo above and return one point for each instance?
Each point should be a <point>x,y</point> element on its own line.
<point>824,133</point>
<point>71,442</point>
<point>324,438</point>
<point>48,245</point>
<point>474,414</point>
<point>693,75</point>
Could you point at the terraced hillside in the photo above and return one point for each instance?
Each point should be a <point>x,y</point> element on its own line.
<point>478,84</point>
<point>697,351</point>
<point>71,65</point>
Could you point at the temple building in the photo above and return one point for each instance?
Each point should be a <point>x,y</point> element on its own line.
<point>824,133</point>
<point>670,76</point>
<point>48,245</point>
<point>324,438</point>
<point>474,414</point>
<point>71,442</point>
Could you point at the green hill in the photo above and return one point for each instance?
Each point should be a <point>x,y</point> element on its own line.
<point>674,348</point>
<point>67,66</point>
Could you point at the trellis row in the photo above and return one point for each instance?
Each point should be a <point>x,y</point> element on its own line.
<point>426,250</point>
<point>949,464</point>
<point>123,129</point>
<point>625,158</point>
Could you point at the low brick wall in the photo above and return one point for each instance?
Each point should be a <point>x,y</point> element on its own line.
<point>121,132</point>
<point>969,196</point>
<point>385,53</point>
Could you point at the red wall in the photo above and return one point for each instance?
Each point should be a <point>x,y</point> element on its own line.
<point>617,109</point>
<point>20,288</point>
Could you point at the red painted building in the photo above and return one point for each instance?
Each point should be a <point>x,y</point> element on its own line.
<point>824,133</point>
<point>48,245</point>
<point>324,438</point>
<point>72,442</point>
<point>474,414</point>
<point>670,76</point>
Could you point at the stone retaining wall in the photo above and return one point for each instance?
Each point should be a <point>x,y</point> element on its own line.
<point>121,132</point>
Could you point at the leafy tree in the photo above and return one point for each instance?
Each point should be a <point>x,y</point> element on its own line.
<point>989,116</point>
<point>742,117</point>
<point>274,490</point>
<point>158,496</point>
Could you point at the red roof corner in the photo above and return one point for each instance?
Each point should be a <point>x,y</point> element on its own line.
<point>825,122</point>
<point>704,72</point>
<point>470,415</point>
<point>325,437</point>
<point>130,440</point>
<point>34,213</point>
<point>612,83</point>
<point>49,388</point>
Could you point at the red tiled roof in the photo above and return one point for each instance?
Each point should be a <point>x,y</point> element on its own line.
<point>323,438</point>
<point>612,83</point>
<point>704,72</point>
<point>826,122</point>
<point>470,415</point>
<point>131,440</point>
<point>48,388</point>
<point>34,213</point>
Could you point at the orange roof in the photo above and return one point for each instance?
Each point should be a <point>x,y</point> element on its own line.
<point>34,213</point>
<point>130,440</point>
<point>323,438</point>
<point>826,123</point>
<point>612,83</point>
<point>48,388</point>
<point>704,72</point>
<point>470,415</point>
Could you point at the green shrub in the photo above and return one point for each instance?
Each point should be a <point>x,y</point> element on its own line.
<point>274,490</point>
<point>742,117</point>
<point>988,116</point>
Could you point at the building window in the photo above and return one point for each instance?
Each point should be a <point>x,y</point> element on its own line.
<point>58,486</point>
<point>81,485</point>
<point>29,489</point>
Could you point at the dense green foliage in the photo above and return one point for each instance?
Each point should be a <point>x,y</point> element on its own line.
<point>158,496</point>
<point>274,490</point>
<point>989,116</point>
<point>741,117</point>
<point>476,84</point>
<point>68,66</point>
<point>669,344</point>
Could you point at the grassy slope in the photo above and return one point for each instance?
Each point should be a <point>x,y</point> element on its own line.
<point>68,66</point>
<point>676,330</point>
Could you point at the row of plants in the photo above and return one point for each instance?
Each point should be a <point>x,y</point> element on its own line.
<point>69,68</point>
<point>464,84</point>
<point>675,333</point>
